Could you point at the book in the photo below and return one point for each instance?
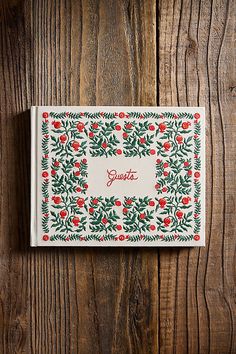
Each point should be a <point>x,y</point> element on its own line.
<point>117,176</point>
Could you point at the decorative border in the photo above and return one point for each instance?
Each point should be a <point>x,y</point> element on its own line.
<point>122,115</point>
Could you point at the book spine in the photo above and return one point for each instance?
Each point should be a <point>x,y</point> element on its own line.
<point>34,161</point>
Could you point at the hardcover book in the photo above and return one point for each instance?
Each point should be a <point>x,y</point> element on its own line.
<point>117,176</point>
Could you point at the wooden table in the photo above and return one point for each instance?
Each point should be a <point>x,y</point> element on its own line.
<point>117,53</point>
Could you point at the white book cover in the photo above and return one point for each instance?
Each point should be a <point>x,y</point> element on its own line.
<point>117,176</point>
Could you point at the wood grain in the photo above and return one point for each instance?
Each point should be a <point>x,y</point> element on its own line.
<point>105,53</point>
<point>71,300</point>
<point>197,67</point>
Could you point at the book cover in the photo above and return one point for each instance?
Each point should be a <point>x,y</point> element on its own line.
<point>117,176</point>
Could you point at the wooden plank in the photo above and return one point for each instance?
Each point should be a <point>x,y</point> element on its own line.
<point>197,67</point>
<point>71,300</point>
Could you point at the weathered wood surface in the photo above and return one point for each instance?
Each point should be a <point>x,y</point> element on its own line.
<point>117,53</point>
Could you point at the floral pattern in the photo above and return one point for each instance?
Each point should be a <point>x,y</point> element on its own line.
<point>69,213</point>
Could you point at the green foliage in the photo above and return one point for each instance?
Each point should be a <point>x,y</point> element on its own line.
<point>139,214</point>
<point>44,163</point>
<point>104,216</point>
<point>103,135</point>
<point>45,149</point>
<point>45,185</point>
<point>139,140</point>
<point>44,208</point>
<point>56,115</point>
<point>45,130</point>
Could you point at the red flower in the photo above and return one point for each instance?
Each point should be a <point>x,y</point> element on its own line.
<point>76,221</point>
<point>118,227</point>
<point>46,156</point>
<point>151,203</point>
<point>196,237</point>
<point>57,125</point>
<point>57,200</point>
<point>165,164</point>
<point>104,145</point>
<point>80,202</point>
<point>142,140</point>
<point>185,200</point>
<point>77,164</point>
<point>63,138</point>
<point>119,151</point>
<point>185,125</point>
<point>117,203</point>
<point>84,161</point>
<point>164,189</point>
<point>186,164</point>
<point>162,202</point>
<point>129,201</point>
<point>45,115</point>
<point>151,127</point>
<point>118,127</point>
<point>80,126</point>
<point>165,173</point>
<point>78,189</point>
<point>104,221</point>
<point>77,173</point>
<point>53,172</point>
<point>158,161</point>
<point>195,136</point>
<point>63,214</point>
<point>121,115</point>
<point>95,126</point>
<point>75,145</point>
<point>157,186</point>
<point>85,186</point>
<point>121,237</point>
<point>128,126</point>
<point>179,139</point>
<point>190,172</point>
<point>45,174</point>
<point>167,145</point>
<point>95,201</point>
<point>142,216</point>
<point>125,210</point>
<point>91,135</point>
<point>162,127</point>
<point>56,163</point>
<point>152,227</point>
<point>179,214</point>
<point>196,115</point>
<point>167,221</point>
<point>197,174</point>
<point>152,152</point>
<point>91,210</point>
<point>125,135</point>
<point>45,237</point>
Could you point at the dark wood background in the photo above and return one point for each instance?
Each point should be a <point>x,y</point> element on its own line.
<point>111,52</point>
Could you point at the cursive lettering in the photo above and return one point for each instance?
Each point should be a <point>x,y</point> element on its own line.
<point>114,176</point>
